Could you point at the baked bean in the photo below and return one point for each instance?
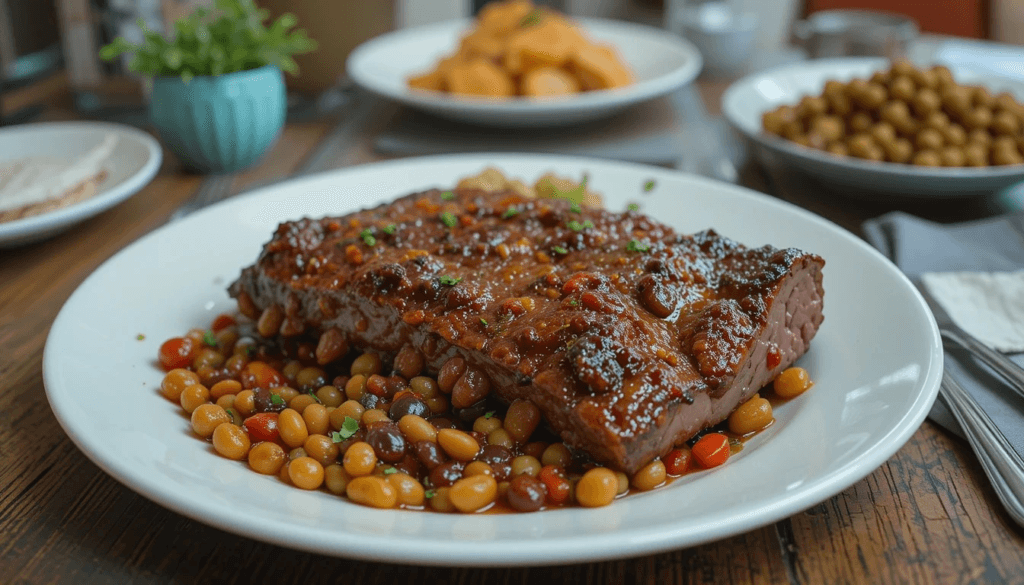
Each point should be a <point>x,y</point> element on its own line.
<point>267,458</point>
<point>416,428</point>
<point>623,480</point>
<point>521,420</point>
<point>677,461</point>
<point>330,396</point>
<point>306,473</point>
<point>437,404</point>
<point>424,387</point>
<point>409,362</point>
<point>457,444</point>
<point>477,468</point>
<point>598,487</point>
<point>176,381</point>
<point>208,417</point>
<point>450,373</point>
<point>792,382</point>
<point>316,418</point>
<point>407,404</point>
<point>331,346</point>
<point>270,321</point>
<point>360,459</point>
<point>192,397</point>
<point>446,473</point>
<point>231,441</point>
<point>292,428</point>
<point>471,388</point>
<point>300,402</point>
<point>429,454</point>
<point>224,388</point>
<point>558,487</point>
<point>751,416</point>
<point>556,454</point>
<point>207,358</point>
<point>235,418</point>
<point>486,424</point>
<point>440,500</point>
<point>336,479</point>
<point>310,378</point>
<point>387,441</point>
<point>471,494</point>
<point>526,493</point>
<point>650,476</point>
<point>227,401</point>
<point>526,465</point>
<point>373,415</point>
<point>355,387</point>
<point>348,409</point>
<point>408,491</point>
<point>321,448</point>
<point>366,365</point>
<point>245,403</point>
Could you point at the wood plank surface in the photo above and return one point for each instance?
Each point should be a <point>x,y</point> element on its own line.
<point>927,515</point>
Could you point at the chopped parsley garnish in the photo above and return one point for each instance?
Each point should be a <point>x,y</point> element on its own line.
<point>489,414</point>
<point>531,19</point>
<point>637,246</point>
<point>276,399</point>
<point>447,195</point>
<point>575,207</point>
<point>314,396</point>
<point>483,321</point>
<point>140,337</point>
<point>511,211</point>
<point>449,219</point>
<point>429,494</point>
<point>578,227</point>
<point>649,186</point>
<point>367,237</point>
<point>348,428</point>
<point>210,339</point>
<point>250,351</point>
<point>575,194</point>
<point>560,250</point>
<point>389,229</point>
<point>449,280</point>
<point>573,303</point>
<point>230,411</point>
<point>633,207</point>
<point>390,471</point>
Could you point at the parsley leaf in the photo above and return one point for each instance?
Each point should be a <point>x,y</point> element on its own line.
<point>560,250</point>
<point>250,351</point>
<point>140,337</point>
<point>588,224</point>
<point>447,196</point>
<point>489,414</point>
<point>575,207</point>
<point>367,237</point>
<point>276,399</point>
<point>649,186</point>
<point>389,229</point>
<point>348,428</point>
<point>449,280</point>
<point>510,212</point>
<point>210,339</point>
<point>637,246</point>
<point>574,303</point>
<point>449,219</point>
<point>483,321</point>
<point>390,471</point>
<point>429,494</point>
<point>633,207</point>
<point>314,396</point>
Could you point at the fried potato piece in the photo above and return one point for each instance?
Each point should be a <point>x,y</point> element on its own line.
<point>542,45</point>
<point>598,67</point>
<point>432,81</point>
<point>501,18</point>
<point>479,77</point>
<point>548,81</point>
<point>481,44</point>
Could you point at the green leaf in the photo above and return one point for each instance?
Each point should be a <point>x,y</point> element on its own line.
<point>449,280</point>
<point>637,246</point>
<point>348,428</point>
<point>210,339</point>
<point>276,399</point>
<point>449,219</point>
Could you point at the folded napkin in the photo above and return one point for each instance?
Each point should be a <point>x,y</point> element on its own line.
<point>989,245</point>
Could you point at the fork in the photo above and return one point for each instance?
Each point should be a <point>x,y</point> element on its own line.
<point>1001,463</point>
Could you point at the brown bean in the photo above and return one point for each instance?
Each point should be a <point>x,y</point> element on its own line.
<point>331,346</point>
<point>457,444</point>
<point>450,373</point>
<point>270,321</point>
<point>792,382</point>
<point>598,487</point>
<point>650,476</point>
<point>372,491</point>
<point>292,428</point>
<point>526,493</point>
<point>409,362</point>
<point>267,458</point>
<point>471,494</point>
<point>751,416</point>
<point>471,388</point>
<point>360,459</point>
<point>522,420</point>
<point>416,428</point>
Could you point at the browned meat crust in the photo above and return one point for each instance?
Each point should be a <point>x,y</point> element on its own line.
<point>630,338</point>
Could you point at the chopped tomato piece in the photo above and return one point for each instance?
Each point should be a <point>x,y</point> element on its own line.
<point>261,375</point>
<point>176,352</point>
<point>554,479</point>
<point>262,427</point>
<point>712,450</point>
<point>223,321</point>
<point>676,461</point>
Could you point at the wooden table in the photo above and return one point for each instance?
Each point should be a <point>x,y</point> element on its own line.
<point>927,515</point>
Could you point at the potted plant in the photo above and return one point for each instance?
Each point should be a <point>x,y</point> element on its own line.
<point>218,98</point>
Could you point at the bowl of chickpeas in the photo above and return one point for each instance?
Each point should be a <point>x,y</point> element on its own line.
<point>519,65</point>
<point>882,129</point>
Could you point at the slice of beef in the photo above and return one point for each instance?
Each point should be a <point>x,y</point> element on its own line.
<point>629,337</point>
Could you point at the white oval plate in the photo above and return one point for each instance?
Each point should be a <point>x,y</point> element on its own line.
<point>661,62</point>
<point>747,99</point>
<point>132,164</point>
<point>876,362</point>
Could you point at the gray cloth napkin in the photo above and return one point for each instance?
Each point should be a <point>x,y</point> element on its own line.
<point>995,244</point>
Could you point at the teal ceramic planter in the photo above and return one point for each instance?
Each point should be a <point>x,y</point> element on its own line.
<point>223,123</point>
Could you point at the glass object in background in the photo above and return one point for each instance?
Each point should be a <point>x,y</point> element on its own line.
<point>865,33</point>
<point>723,31</point>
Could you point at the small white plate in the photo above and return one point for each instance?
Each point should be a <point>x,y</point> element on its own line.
<point>747,99</point>
<point>132,164</point>
<point>876,363</point>
<point>661,62</point>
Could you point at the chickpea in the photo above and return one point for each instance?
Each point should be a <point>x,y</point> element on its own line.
<point>861,122</point>
<point>926,101</point>
<point>811,106</point>
<point>208,417</point>
<point>956,100</point>
<point>1006,156</point>
<point>306,473</point>
<point>982,97</point>
<point>883,132</point>
<point>471,494</point>
<point>899,150</point>
<point>902,88</point>
<point>953,156</point>
<point>872,96</point>
<point>366,365</point>
<point>902,67</point>
<point>526,465</point>
<point>792,381</point>
<point>245,403</point>
<point>556,454</point>
<point>192,397</point>
<point>838,148</point>
<point>830,128</point>
<point>929,139</point>
<point>598,487</point>
<point>1004,122</point>
<point>942,76</point>
<point>975,155</point>
<point>773,122</point>
<point>267,458</point>
<point>336,479</point>
<point>650,476</point>
<point>292,428</point>
<point>457,444</point>
<point>839,104</point>
<point>408,490</point>
<point>330,396</point>
<point>316,418</point>
<point>751,416</point>
<point>881,77</point>
<point>321,448</point>
<point>954,135</point>
<point>898,114</point>
<point>360,459</point>
<point>938,120</point>
<point>979,136</point>
<point>979,117</point>
<point>924,78</point>
<point>231,441</point>
<point>371,490</point>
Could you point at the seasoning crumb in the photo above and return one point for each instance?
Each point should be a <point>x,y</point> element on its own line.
<point>140,337</point>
